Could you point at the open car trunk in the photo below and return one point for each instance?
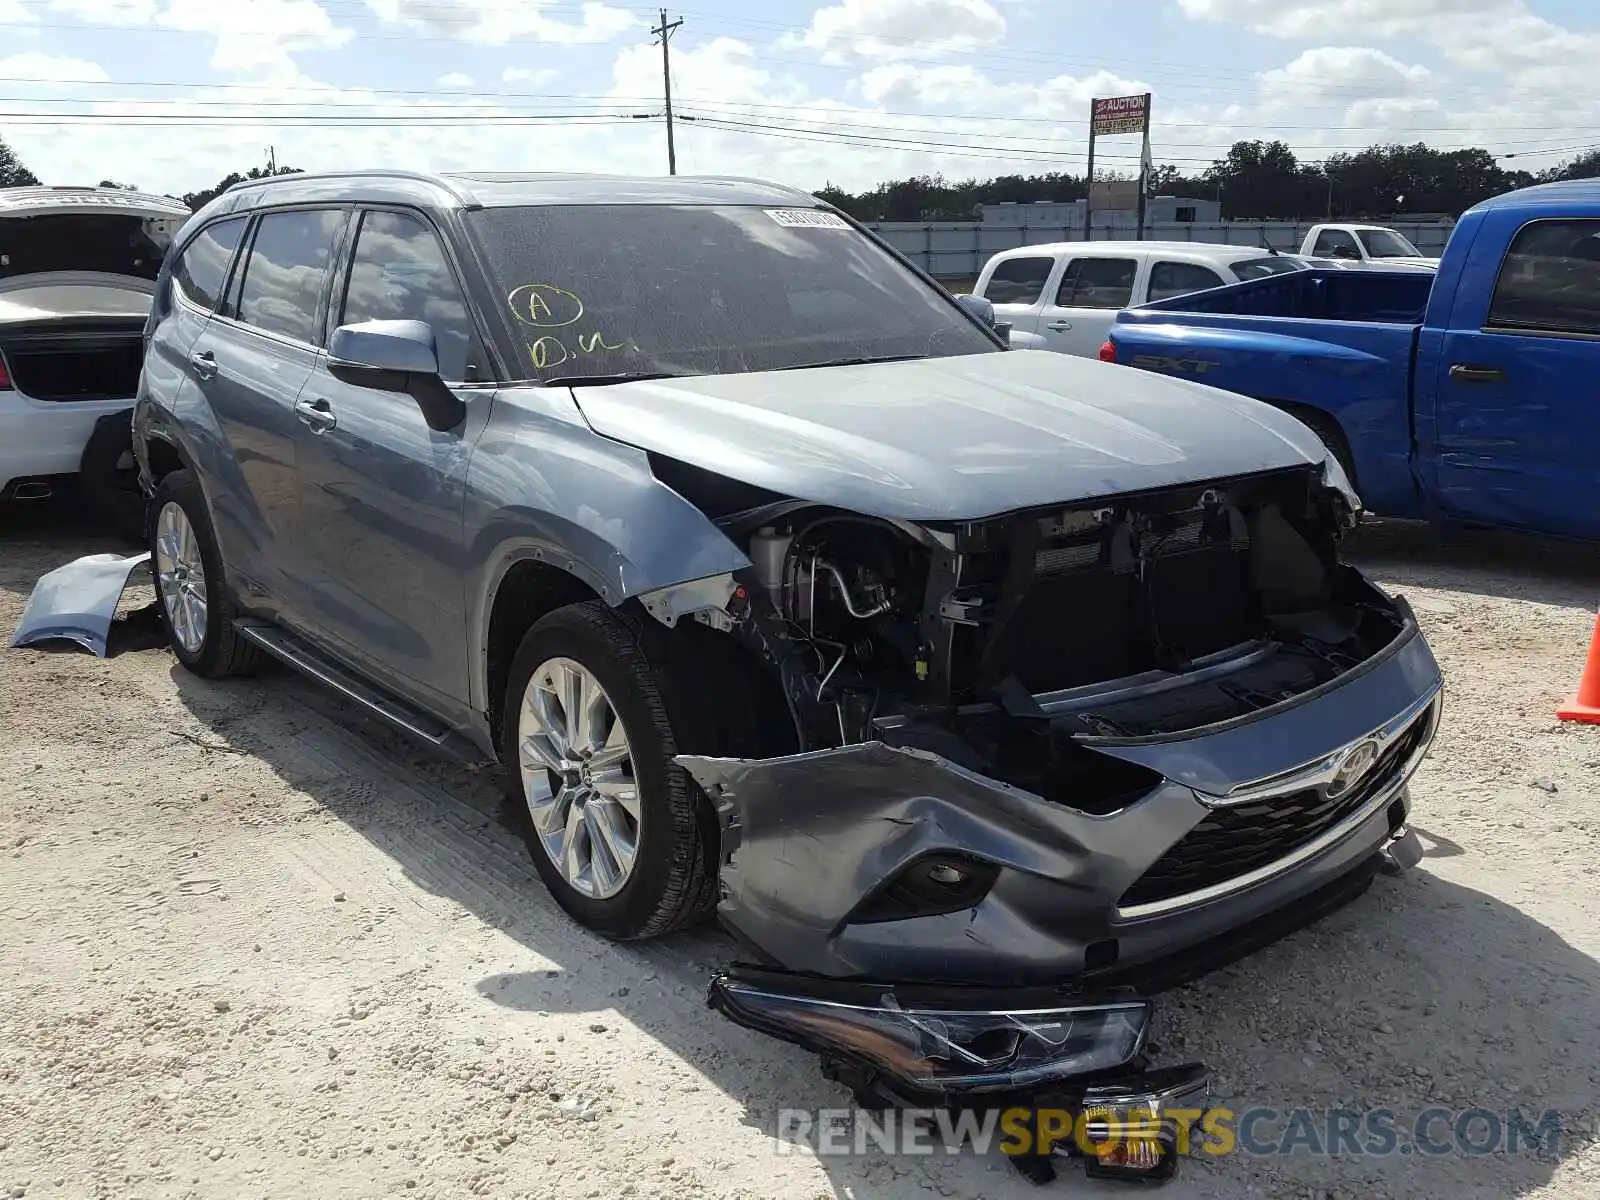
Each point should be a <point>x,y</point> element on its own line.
<point>75,290</point>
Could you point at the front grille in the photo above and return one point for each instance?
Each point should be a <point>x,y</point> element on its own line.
<point>1234,841</point>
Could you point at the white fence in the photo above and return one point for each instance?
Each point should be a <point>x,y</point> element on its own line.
<point>958,249</point>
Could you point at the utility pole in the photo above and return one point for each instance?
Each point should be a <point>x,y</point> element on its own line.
<point>272,160</point>
<point>664,32</point>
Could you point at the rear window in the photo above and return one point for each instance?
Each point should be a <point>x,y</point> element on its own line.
<point>1097,283</point>
<point>1018,280</point>
<point>203,266</point>
<point>1169,279</point>
<point>1266,264</point>
<point>1550,280</point>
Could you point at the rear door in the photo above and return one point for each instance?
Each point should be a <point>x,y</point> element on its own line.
<point>1016,288</point>
<point>1087,299</point>
<point>1517,390</point>
<point>382,494</point>
<point>1168,279</point>
<point>250,362</point>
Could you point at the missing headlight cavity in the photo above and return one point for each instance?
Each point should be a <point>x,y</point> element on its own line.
<point>1001,644</point>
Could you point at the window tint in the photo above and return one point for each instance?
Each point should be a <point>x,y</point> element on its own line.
<point>1097,283</point>
<point>288,264</point>
<point>1384,243</point>
<point>1551,279</point>
<point>203,266</point>
<point>1177,279</point>
<point>1336,243</point>
<point>1017,280</point>
<point>399,273</point>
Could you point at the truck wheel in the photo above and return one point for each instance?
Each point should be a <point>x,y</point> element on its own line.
<point>621,835</point>
<point>108,478</point>
<point>190,584</point>
<point>1333,438</point>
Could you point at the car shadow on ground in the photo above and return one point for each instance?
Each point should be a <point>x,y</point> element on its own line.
<point>1487,562</point>
<point>1485,1007</point>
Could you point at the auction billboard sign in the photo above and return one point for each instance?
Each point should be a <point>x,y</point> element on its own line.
<point>1119,114</point>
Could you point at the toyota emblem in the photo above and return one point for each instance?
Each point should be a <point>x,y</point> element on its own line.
<point>1353,767</point>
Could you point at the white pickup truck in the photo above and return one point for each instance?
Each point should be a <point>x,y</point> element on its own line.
<point>1373,246</point>
<point>1063,296</point>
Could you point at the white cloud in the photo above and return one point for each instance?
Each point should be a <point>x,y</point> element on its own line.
<point>1333,71</point>
<point>893,29</point>
<point>527,75</point>
<point>1482,35</point>
<point>496,22</point>
<point>455,79</point>
<point>252,37</point>
<point>32,67</point>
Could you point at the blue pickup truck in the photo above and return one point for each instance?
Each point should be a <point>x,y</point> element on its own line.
<point>1471,396</point>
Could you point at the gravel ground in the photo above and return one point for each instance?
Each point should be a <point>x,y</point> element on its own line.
<point>257,946</point>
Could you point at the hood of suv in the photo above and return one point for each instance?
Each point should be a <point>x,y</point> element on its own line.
<point>952,438</point>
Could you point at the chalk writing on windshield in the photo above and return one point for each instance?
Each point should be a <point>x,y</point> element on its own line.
<point>545,306</point>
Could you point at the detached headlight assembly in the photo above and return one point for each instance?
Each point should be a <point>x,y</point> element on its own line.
<point>945,1048</point>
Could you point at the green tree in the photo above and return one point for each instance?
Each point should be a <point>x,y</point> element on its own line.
<point>121,187</point>
<point>12,172</point>
<point>198,200</point>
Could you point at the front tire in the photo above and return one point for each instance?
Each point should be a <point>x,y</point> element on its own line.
<point>619,833</point>
<point>190,584</point>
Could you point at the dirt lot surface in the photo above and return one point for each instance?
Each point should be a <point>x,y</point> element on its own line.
<point>256,946</point>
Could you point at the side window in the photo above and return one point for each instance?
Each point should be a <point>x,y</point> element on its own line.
<point>1550,280</point>
<point>203,267</point>
<point>399,273</point>
<point>1097,283</point>
<point>287,267</point>
<point>1017,280</point>
<point>1177,279</point>
<point>1336,243</point>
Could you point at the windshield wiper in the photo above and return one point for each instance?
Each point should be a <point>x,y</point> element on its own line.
<point>603,380</point>
<point>853,362</point>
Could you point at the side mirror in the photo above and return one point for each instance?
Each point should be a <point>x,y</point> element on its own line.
<point>979,308</point>
<point>396,356</point>
<point>1003,328</point>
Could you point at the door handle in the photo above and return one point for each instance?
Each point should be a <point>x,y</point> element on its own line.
<point>204,364</point>
<point>1059,326</point>
<point>1467,373</point>
<point>316,415</point>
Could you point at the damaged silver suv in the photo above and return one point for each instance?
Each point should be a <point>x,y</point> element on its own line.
<point>971,687</point>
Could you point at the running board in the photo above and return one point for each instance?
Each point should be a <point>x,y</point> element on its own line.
<point>293,652</point>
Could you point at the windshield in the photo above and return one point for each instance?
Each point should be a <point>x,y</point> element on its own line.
<point>1267,264</point>
<point>617,290</point>
<point>1385,243</point>
<point>87,241</point>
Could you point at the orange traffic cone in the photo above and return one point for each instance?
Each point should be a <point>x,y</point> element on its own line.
<point>1585,704</point>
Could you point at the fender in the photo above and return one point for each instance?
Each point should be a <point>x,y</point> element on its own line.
<point>542,486</point>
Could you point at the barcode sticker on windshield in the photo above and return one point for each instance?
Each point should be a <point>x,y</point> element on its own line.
<point>807,218</point>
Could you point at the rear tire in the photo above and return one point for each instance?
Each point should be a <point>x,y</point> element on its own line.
<point>108,478</point>
<point>672,876</point>
<point>190,585</point>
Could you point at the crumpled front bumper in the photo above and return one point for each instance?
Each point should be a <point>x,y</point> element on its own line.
<point>820,848</point>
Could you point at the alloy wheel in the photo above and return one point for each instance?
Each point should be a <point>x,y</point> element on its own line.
<point>181,577</point>
<point>578,778</point>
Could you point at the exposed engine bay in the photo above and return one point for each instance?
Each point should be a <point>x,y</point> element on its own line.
<point>993,643</point>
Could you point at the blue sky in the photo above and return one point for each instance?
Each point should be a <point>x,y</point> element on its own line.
<point>173,94</point>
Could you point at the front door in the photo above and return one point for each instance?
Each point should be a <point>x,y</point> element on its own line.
<point>1086,302</point>
<point>1517,386</point>
<point>382,495</point>
<point>1016,287</point>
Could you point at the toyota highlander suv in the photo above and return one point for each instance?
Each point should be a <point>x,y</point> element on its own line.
<point>977,691</point>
